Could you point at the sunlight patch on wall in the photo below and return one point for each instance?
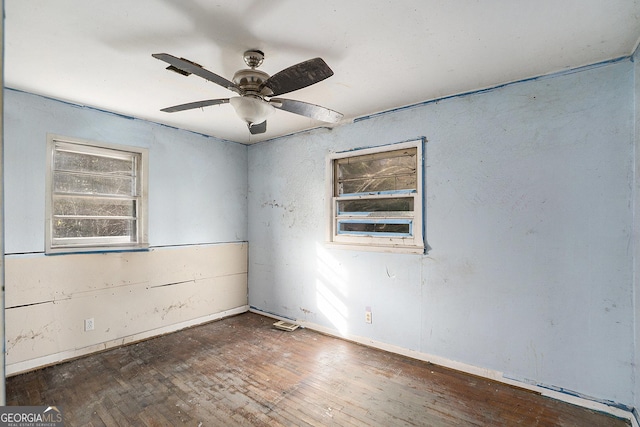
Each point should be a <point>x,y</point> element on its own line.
<point>331,290</point>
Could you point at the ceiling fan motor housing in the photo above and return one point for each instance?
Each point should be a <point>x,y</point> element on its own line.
<point>250,80</point>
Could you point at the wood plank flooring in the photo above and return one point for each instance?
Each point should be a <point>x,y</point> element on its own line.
<point>240,371</point>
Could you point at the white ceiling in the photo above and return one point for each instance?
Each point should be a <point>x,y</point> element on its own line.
<point>385,54</point>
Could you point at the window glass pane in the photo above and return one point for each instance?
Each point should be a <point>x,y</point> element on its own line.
<point>69,161</point>
<point>377,184</point>
<point>64,182</point>
<point>93,206</point>
<point>373,228</point>
<point>68,227</point>
<point>404,204</point>
<point>390,164</point>
<point>390,171</point>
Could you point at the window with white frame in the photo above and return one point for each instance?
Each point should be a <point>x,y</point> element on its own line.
<point>96,196</point>
<point>376,198</point>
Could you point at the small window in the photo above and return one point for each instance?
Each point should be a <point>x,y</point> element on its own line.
<point>96,197</point>
<point>376,198</point>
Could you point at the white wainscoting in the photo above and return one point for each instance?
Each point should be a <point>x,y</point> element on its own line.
<point>129,295</point>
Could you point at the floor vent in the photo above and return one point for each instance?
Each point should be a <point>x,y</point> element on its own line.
<point>286,326</point>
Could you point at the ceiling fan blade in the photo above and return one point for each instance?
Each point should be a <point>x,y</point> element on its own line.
<point>197,104</point>
<point>186,67</point>
<point>298,76</point>
<point>305,109</point>
<point>259,128</point>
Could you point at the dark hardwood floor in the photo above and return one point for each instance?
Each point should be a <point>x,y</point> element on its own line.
<point>240,371</point>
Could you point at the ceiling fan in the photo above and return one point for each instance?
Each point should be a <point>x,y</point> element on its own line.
<point>256,89</point>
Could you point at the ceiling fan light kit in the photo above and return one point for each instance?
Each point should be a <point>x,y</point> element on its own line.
<point>256,89</point>
<point>251,109</point>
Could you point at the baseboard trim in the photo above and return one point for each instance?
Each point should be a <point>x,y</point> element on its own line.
<point>463,367</point>
<point>52,359</point>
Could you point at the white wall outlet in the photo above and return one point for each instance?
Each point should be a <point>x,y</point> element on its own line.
<point>88,324</point>
<point>367,315</point>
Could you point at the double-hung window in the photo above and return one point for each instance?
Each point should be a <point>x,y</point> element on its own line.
<point>96,196</point>
<point>376,198</point>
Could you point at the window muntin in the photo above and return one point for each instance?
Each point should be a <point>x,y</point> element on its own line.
<point>96,197</point>
<point>376,197</point>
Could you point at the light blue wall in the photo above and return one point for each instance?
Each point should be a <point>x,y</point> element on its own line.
<point>197,184</point>
<point>529,220</point>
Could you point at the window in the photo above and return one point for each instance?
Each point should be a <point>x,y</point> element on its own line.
<point>376,198</point>
<point>96,196</point>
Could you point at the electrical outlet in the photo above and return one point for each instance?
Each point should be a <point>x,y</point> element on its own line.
<point>88,325</point>
<point>367,315</point>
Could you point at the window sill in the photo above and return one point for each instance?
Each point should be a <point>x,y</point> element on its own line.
<point>377,248</point>
<point>95,249</point>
